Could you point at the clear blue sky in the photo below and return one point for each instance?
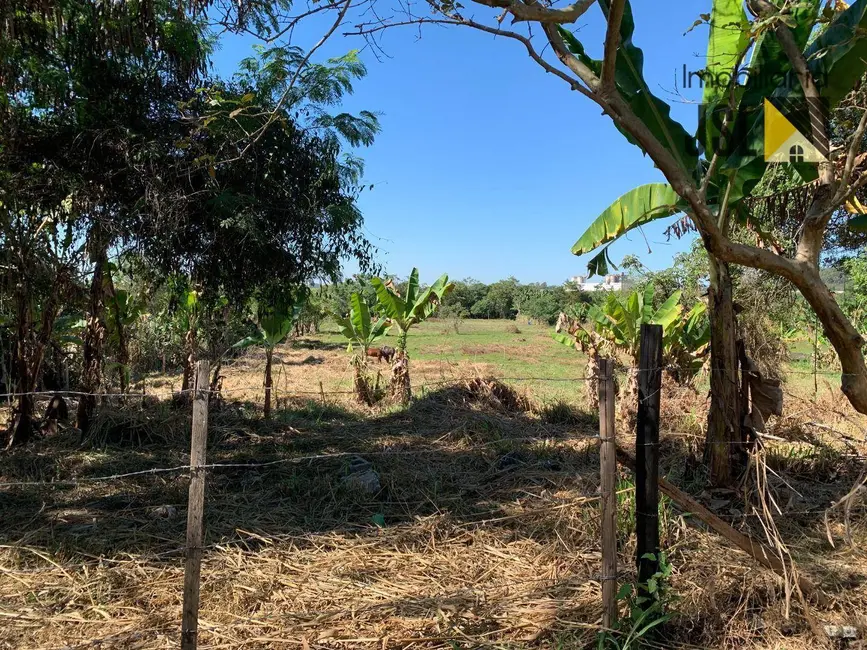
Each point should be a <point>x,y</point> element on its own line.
<point>486,166</point>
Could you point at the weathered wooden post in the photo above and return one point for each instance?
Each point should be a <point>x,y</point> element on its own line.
<point>195,510</point>
<point>647,453</point>
<point>608,472</point>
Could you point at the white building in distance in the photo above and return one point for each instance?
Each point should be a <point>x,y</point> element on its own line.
<point>612,282</point>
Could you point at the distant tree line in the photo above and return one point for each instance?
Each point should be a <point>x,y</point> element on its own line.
<point>470,298</point>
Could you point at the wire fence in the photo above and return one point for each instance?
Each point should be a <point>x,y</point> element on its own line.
<point>266,621</point>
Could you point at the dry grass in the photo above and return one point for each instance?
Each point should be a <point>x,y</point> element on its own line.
<point>489,504</point>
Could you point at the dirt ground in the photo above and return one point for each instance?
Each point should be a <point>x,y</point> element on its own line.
<point>483,530</point>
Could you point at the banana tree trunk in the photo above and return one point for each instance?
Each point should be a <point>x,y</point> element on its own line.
<point>122,347</point>
<point>21,429</point>
<point>95,331</point>
<point>269,353</point>
<point>30,351</point>
<point>724,419</point>
<point>401,389</point>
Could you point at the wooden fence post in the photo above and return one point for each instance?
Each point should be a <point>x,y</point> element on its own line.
<point>647,453</point>
<point>195,510</point>
<point>608,471</point>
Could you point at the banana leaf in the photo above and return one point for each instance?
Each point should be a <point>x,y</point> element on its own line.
<point>728,42</point>
<point>668,313</point>
<point>838,57</point>
<point>655,113</point>
<point>412,287</point>
<point>359,315</point>
<point>393,306</point>
<point>426,305</point>
<point>629,78</point>
<point>637,207</point>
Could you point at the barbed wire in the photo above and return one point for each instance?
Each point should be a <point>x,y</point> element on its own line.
<point>284,461</point>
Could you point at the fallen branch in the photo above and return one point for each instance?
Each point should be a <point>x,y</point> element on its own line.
<point>757,550</point>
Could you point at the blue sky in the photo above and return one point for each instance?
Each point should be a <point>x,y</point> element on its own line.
<point>486,166</point>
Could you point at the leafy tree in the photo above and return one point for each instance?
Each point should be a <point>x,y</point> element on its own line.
<point>406,312</point>
<point>459,303</point>
<point>103,130</point>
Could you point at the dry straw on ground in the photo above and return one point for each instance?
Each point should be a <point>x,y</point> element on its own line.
<point>485,532</point>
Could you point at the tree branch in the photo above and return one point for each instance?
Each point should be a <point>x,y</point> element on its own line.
<point>574,84</point>
<point>852,154</point>
<point>612,42</point>
<point>535,12</point>
<point>568,59</point>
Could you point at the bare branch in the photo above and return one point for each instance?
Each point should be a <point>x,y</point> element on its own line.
<point>612,42</point>
<point>852,155</point>
<point>571,61</point>
<point>523,12</point>
<point>574,84</point>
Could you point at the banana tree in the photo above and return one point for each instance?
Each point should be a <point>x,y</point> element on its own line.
<point>826,52</point>
<point>362,333</point>
<point>615,326</point>
<point>275,322</point>
<point>406,312</point>
<point>125,311</point>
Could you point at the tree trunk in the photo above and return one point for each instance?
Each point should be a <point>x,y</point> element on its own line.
<point>592,379</point>
<point>30,351</point>
<point>269,353</point>
<point>122,348</point>
<point>95,331</point>
<point>401,389</point>
<point>190,361</point>
<point>724,417</point>
<point>21,427</point>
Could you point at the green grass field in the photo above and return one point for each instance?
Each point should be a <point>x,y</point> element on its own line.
<point>524,355</point>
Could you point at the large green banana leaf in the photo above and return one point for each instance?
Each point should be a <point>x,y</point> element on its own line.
<point>629,78</point>
<point>276,323</point>
<point>390,303</point>
<point>412,287</point>
<point>837,59</point>
<point>668,313</point>
<point>359,315</point>
<point>428,302</point>
<point>357,326</point>
<point>655,113</point>
<point>415,308</point>
<point>637,207</point>
<point>728,42</point>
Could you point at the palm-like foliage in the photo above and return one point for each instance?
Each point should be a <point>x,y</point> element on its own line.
<point>405,312</point>
<point>835,57</point>
<point>275,323</point>
<point>362,333</point>
<point>615,325</point>
<point>415,307</point>
<point>358,328</point>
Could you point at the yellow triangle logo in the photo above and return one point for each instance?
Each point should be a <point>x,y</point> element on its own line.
<point>784,143</point>
<point>777,128</point>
